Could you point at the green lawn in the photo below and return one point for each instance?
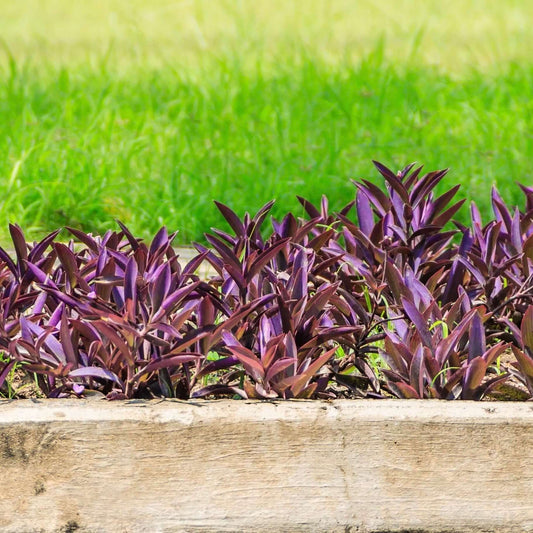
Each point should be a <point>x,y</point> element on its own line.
<point>147,111</point>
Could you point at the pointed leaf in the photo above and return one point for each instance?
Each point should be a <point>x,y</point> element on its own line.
<point>419,321</point>
<point>365,215</point>
<point>527,329</point>
<point>476,339</point>
<point>473,377</point>
<point>96,372</point>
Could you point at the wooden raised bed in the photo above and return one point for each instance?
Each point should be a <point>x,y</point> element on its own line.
<point>365,466</point>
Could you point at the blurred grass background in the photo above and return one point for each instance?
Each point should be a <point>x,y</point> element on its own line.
<point>147,111</point>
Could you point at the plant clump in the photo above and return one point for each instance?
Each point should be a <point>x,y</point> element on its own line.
<point>387,297</point>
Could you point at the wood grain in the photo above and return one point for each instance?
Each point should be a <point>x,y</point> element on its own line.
<point>364,466</point>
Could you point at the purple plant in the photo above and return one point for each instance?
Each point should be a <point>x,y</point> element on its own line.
<point>523,367</point>
<point>433,362</point>
<point>392,302</point>
<point>115,312</point>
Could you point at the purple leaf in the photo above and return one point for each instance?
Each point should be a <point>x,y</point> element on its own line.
<point>419,321</point>
<point>445,217</point>
<point>40,276</point>
<point>96,372</point>
<point>4,256</point>
<point>66,341</point>
<point>161,286</point>
<point>21,247</point>
<point>300,381</point>
<point>378,198</point>
<point>215,366</point>
<point>476,339</point>
<point>527,329</point>
<point>365,216</point>
<point>311,210</point>
<point>442,201</point>
<point>173,300</point>
<point>37,251</point>
<point>475,372</point>
<point>134,243</point>
<point>29,329</point>
<point>516,234</point>
<point>247,358</point>
<point>85,239</point>
<point>416,372</point>
<point>425,185</point>
<point>168,362</point>
<point>231,218</point>
<point>5,370</point>
<point>525,364</point>
<point>394,182</point>
<point>403,390</point>
<point>192,266</point>
<point>68,262</point>
<point>278,367</point>
<point>500,210</point>
<point>267,255</point>
<point>160,242</point>
<point>130,282</point>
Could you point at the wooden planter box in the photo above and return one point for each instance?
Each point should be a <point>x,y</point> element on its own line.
<point>348,466</point>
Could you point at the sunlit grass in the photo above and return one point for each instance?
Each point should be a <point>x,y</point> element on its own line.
<point>147,111</point>
<point>453,34</point>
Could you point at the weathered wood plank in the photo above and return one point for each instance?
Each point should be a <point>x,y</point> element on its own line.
<point>249,466</point>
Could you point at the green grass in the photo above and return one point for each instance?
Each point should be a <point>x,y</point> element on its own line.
<point>147,114</point>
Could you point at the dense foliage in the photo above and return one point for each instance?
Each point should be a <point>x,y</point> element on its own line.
<point>388,297</point>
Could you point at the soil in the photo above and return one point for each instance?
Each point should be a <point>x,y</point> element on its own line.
<point>512,389</point>
<point>23,387</point>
